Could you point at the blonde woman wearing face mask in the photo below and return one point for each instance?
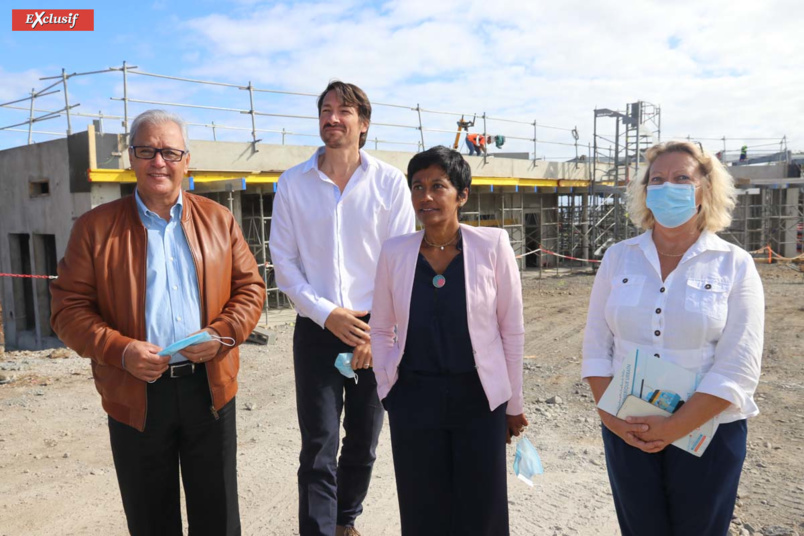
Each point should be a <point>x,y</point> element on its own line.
<point>692,299</point>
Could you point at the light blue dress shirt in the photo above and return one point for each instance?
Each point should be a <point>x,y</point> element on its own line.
<point>172,302</point>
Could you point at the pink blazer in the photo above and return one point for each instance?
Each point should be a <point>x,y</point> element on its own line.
<point>493,311</point>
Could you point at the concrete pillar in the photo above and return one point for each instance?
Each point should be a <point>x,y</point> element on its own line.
<point>103,193</point>
<point>236,206</point>
<point>790,220</point>
<point>585,225</point>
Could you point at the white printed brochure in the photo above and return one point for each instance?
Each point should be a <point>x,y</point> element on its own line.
<point>662,384</point>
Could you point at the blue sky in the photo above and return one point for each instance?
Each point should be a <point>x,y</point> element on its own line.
<point>716,68</point>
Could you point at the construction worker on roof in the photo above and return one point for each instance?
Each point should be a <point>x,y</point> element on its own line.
<point>476,143</point>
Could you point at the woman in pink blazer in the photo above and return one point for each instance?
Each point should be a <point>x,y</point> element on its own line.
<point>447,338</point>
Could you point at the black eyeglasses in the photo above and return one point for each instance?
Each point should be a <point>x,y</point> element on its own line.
<point>144,152</point>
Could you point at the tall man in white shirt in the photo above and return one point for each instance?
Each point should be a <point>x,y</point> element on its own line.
<point>331,214</point>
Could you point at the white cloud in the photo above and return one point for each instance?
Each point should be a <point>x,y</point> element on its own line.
<point>17,85</point>
<point>716,68</point>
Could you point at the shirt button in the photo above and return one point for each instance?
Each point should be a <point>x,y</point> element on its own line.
<point>171,260</point>
<point>707,286</point>
<point>179,319</point>
<point>658,310</point>
<point>656,355</point>
<point>176,287</point>
<point>657,332</point>
<point>661,289</point>
<point>625,280</point>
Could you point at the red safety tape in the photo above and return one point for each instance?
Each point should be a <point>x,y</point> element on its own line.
<point>540,250</point>
<point>528,253</point>
<point>29,276</point>
<point>567,256</point>
<point>771,253</point>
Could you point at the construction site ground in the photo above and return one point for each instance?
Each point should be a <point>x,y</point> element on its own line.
<point>57,476</point>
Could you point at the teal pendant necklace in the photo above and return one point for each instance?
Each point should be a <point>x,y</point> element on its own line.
<point>439,280</point>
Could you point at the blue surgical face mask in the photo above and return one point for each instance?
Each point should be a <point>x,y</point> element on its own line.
<point>198,338</point>
<point>527,462</point>
<point>344,365</point>
<point>672,204</point>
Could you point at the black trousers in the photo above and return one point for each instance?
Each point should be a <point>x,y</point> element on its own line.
<point>673,493</point>
<point>449,457</point>
<point>180,431</point>
<point>331,491</point>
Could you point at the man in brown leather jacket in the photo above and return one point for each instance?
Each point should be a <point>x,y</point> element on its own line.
<point>138,275</point>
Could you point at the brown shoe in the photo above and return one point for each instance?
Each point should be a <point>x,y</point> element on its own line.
<point>340,530</point>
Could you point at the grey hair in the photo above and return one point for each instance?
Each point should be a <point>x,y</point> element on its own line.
<point>158,117</point>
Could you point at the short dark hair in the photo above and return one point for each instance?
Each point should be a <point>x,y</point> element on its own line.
<point>350,95</point>
<point>457,169</point>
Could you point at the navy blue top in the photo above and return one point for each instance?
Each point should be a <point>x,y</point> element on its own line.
<point>438,340</point>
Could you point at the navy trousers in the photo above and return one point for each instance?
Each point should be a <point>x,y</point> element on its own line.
<point>180,431</point>
<point>331,489</point>
<point>672,492</point>
<point>449,457</point>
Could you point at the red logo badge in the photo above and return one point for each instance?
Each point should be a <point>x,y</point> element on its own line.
<point>53,20</point>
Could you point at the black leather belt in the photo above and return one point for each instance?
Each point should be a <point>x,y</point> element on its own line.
<point>177,370</point>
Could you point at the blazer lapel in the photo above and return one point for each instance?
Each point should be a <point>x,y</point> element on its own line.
<point>403,278</point>
<point>470,273</point>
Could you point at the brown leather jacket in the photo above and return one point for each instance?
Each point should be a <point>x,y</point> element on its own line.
<point>98,300</point>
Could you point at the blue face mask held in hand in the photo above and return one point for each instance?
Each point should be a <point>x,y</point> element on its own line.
<point>344,365</point>
<point>198,338</point>
<point>672,204</point>
<point>527,462</point>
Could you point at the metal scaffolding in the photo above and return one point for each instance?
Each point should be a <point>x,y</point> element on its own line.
<point>405,125</point>
<point>257,212</point>
<point>550,228</point>
<point>616,160</point>
<point>768,216</point>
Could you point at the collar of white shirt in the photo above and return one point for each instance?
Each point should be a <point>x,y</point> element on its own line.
<point>366,161</point>
<point>708,241</point>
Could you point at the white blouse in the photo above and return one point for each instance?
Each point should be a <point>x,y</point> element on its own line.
<point>708,316</point>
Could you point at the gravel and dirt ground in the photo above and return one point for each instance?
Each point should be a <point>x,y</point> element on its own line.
<point>57,477</point>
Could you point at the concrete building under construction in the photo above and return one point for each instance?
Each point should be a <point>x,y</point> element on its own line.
<point>559,214</point>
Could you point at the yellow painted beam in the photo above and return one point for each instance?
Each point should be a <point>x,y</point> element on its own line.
<point>111,175</point>
<point>127,175</point>
<point>251,178</point>
<point>515,181</point>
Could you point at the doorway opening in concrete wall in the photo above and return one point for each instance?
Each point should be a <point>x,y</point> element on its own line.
<point>532,238</point>
<point>45,263</point>
<point>22,311</point>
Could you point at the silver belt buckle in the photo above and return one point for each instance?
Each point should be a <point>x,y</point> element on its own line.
<point>179,366</point>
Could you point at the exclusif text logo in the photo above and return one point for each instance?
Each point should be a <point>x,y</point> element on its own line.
<point>53,20</point>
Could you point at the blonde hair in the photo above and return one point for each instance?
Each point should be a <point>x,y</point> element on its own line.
<point>719,194</point>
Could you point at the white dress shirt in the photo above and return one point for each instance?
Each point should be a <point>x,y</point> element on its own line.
<point>708,316</point>
<point>325,244</point>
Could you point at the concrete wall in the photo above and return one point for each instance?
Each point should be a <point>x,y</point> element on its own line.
<point>238,156</point>
<point>22,213</point>
<point>776,170</point>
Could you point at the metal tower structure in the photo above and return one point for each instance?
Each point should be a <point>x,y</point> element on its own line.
<point>616,160</point>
